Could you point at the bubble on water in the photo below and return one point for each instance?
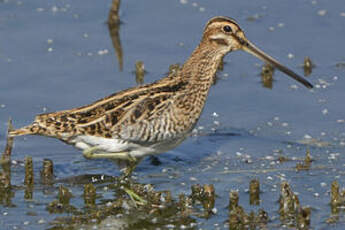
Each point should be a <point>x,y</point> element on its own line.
<point>307,136</point>
<point>325,111</point>
<point>41,221</point>
<point>102,52</point>
<point>269,158</point>
<point>54,9</point>
<point>294,86</point>
<point>290,56</point>
<point>322,12</point>
<point>193,179</point>
<point>182,226</point>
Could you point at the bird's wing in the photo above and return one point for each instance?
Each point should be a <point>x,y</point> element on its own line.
<point>110,116</point>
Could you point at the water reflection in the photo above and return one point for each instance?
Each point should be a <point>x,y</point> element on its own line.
<point>114,30</point>
<point>254,192</point>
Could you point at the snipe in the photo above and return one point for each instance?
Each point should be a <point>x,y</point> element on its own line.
<point>152,118</point>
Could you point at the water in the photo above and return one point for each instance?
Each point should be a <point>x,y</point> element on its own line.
<point>57,55</point>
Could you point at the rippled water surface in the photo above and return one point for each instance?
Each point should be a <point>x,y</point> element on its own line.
<point>57,55</point>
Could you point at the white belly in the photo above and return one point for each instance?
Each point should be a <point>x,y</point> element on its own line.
<point>106,144</point>
<point>115,145</point>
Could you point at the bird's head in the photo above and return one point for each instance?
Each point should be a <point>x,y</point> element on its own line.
<point>225,35</point>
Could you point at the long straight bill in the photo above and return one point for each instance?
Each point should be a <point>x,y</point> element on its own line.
<point>252,49</point>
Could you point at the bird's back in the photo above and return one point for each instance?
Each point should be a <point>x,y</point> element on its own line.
<point>139,114</point>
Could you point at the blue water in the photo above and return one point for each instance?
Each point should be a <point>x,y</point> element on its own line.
<point>57,55</point>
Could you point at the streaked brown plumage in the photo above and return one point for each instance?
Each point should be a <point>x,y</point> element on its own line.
<point>152,118</point>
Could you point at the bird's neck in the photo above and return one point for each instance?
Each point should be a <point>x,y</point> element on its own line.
<point>202,65</point>
<point>198,75</point>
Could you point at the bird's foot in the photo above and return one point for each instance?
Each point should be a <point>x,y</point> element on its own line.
<point>137,200</point>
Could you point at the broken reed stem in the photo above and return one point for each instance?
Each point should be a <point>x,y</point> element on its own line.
<point>319,167</point>
<point>6,157</point>
<point>5,180</point>
<point>307,66</point>
<point>89,195</point>
<point>139,72</point>
<point>233,200</point>
<point>64,195</point>
<point>47,173</point>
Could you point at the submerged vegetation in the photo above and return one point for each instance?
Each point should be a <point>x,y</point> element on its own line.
<point>135,205</point>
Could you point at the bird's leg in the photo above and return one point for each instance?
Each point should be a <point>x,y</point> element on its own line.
<point>132,162</point>
<point>131,165</point>
<point>93,153</point>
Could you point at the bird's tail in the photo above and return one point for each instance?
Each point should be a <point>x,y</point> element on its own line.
<point>26,130</point>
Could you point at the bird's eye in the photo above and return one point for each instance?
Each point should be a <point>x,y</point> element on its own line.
<point>227,29</point>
